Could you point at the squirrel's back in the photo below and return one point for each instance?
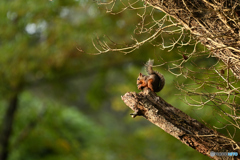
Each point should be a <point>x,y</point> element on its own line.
<point>159,82</point>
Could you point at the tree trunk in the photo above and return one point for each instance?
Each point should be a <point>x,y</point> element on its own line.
<point>7,127</point>
<point>214,22</point>
<point>180,125</point>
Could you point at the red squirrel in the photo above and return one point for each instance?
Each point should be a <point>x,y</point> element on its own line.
<point>154,80</point>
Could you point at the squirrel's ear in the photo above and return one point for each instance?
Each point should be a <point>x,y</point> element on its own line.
<point>140,74</point>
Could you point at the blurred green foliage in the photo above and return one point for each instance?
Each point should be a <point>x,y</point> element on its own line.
<point>70,105</point>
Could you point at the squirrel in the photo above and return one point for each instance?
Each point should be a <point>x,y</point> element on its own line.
<point>154,80</point>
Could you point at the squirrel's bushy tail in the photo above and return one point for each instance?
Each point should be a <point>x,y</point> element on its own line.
<point>149,65</point>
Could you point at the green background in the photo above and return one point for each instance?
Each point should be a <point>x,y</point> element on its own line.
<point>70,103</point>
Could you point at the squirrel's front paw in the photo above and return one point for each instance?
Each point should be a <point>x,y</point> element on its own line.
<point>140,87</point>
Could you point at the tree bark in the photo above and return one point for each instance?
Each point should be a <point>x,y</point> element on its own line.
<point>178,124</point>
<point>6,129</point>
<point>215,23</point>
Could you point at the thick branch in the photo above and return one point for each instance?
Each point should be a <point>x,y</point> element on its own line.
<point>178,124</point>
<point>215,23</point>
<point>7,127</point>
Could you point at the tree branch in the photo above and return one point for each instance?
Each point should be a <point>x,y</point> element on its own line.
<point>178,124</point>
<point>214,23</point>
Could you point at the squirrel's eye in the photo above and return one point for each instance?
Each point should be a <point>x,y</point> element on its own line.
<point>138,79</point>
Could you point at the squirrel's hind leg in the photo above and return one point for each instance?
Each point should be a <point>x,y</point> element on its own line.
<point>150,86</point>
